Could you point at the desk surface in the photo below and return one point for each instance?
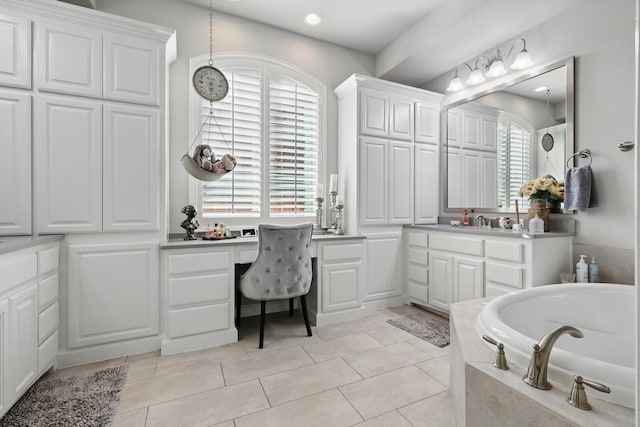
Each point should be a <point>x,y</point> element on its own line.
<point>179,243</point>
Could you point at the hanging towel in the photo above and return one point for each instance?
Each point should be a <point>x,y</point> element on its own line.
<point>579,189</point>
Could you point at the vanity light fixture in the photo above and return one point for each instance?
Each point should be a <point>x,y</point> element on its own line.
<point>312,19</point>
<point>493,67</point>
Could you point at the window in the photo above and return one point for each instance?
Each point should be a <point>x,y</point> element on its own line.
<point>514,159</point>
<point>272,122</point>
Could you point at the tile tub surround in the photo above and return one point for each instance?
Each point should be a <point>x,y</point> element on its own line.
<point>363,373</point>
<point>492,397</point>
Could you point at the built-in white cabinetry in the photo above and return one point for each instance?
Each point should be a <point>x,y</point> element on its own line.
<point>374,198</point>
<point>400,117</point>
<point>385,114</point>
<point>401,175</point>
<point>426,180</point>
<point>468,278</point>
<point>427,119</point>
<point>15,45</point>
<point>440,280</point>
<point>15,160</point>
<point>384,261</point>
<point>28,318</point>
<point>417,265</point>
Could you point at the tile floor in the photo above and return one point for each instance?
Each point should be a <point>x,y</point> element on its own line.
<point>361,373</point>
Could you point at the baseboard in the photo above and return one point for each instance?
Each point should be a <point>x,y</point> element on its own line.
<point>322,319</point>
<point>249,310</point>
<point>198,342</point>
<point>107,351</point>
<point>385,303</point>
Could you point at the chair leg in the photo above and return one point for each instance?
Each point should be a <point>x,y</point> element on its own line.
<point>290,306</point>
<point>304,314</point>
<point>262,316</point>
<point>238,306</point>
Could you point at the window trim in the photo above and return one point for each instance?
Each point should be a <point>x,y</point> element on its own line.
<point>268,66</point>
<point>510,118</point>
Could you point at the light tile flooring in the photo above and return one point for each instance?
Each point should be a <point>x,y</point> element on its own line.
<point>358,373</point>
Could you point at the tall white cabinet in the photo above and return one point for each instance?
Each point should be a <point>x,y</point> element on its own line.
<point>95,169</point>
<point>388,136</point>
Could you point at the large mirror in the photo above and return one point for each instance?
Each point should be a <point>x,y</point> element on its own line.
<point>501,138</point>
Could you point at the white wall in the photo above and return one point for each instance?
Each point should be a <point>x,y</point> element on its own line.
<point>600,34</point>
<point>330,63</point>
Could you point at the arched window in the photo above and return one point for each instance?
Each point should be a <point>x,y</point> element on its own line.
<point>272,122</point>
<point>514,159</point>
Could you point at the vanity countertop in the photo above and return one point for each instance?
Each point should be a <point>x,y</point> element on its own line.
<point>179,242</point>
<point>495,232</point>
<point>10,244</point>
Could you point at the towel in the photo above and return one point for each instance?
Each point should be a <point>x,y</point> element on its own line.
<point>579,189</point>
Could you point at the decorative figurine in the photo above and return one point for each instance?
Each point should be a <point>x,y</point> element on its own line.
<point>190,224</point>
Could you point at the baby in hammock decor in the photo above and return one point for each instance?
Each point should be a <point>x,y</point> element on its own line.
<point>205,158</point>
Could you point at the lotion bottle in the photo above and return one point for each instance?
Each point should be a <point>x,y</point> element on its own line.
<point>465,218</point>
<point>536,225</point>
<point>582,270</point>
<point>594,271</point>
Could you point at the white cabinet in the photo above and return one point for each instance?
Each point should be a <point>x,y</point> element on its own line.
<point>341,277</point>
<point>454,178</point>
<point>374,113</point>
<point>374,194</point>
<point>384,260</point>
<point>471,169</point>
<point>15,45</point>
<point>468,279</point>
<point>489,124</point>
<point>454,128</point>
<point>427,118</point>
<point>417,265</point>
<point>68,164</point>
<point>471,125</point>
<point>131,168</point>
<point>23,354</point>
<point>401,177</point>
<point>132,69</point>
<point>426,180</point>
<point>112,292</point>
<point>489,180</point>
<point>400,117</point>
<point>472,178</point>
<point>440,280</point>
<point>69,58</point>
<point>4,356</point>
<point>15,161</point>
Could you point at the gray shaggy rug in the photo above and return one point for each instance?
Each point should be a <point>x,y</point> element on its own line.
<point>89,400</point>
<point>430,328</point>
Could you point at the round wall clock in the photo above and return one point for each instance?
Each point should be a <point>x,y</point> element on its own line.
<point>210,83</point>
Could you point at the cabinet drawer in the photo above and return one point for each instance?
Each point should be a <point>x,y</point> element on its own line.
<point>47,352</point>
<point>198,290</point>
<point>342,252</point>
<point>16,270</point>
<point>202,262</point>
<point>47,260</point>
<point>506,275</point>
<point>505,251</point>
<point>47,322</point>
<point>418,256</point>
<point>198,320</point>
<point>246,256</point>
<point>462,245</point>
<point>418,274</point>
<point>47,291</point>
<point>416,238</point>
<point>415,290</point>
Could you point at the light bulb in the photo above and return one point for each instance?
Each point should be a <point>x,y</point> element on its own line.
<point>496,69</point>
<point>455,85</point>
<point>522,61</point>
<point>476,77</point>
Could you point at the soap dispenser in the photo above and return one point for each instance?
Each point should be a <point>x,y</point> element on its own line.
<point>536,225</point>
<point>582,270</point>
<point>465,217</point>
<point>594,271</point>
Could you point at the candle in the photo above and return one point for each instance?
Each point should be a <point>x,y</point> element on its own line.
<point>320,191</point>
<point>339,201</point>
<point>333,183</point>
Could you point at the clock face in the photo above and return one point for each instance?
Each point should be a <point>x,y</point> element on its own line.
<point>210,83</point>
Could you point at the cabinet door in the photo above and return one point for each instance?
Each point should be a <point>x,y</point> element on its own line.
<point>471,132</point>
<point>15,162</point>
<point>15,45</point>
<point>426,184</point>
<point>427,117</point>
<point>131,168</point>
<point>373,181</point>
<point>454,128</point>
<point>489,132</point>
<point>468,277</point>
<point>400,182</point>
<point>22,347</point>
<point>68,165</point>
<point>400,118</point>
<point>440,280</point>
<point>472,187</point>
<point>112,292</point>
<point>340,285</point>
<point>69,59</point>
<point>454,178</point>
<point>489,180</point>
<point>374,113</point>
<point>383,267</point>
<point>4,356</point>
<point>132,69</point>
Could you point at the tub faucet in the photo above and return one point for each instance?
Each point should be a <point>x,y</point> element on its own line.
<point>539,363</point>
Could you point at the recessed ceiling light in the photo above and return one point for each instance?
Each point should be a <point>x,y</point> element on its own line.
<point>540,89</point>
<point>312,19</point>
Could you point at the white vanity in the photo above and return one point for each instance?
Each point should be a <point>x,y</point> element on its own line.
<point>446,264</point>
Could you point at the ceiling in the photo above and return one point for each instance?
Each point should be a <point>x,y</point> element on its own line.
<point>404,35</point>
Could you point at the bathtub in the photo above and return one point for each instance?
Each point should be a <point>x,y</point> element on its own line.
<point>605,313</point>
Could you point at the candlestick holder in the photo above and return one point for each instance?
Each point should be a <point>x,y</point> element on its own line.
<point>339,220</point>
<point>317,228</point>
<point>332,211</point>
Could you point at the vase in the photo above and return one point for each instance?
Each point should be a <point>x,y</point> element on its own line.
<point>555,206</point>
<point>539,207</point>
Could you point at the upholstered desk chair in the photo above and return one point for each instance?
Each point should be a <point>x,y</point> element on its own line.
<point>282,269</point>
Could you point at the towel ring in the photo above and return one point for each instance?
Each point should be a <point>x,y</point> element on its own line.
<point>586,153</point>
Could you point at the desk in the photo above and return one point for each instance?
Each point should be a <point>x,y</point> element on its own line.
<point>198,287</point>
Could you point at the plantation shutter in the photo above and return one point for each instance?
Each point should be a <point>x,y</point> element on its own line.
<point>514,161</point>
<point>237,130</point>
<point>293,147</point>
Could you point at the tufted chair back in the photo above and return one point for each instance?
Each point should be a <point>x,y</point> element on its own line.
<point>283,267</point>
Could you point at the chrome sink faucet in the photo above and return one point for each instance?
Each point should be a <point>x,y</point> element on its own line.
<point>539,363</point>
<point>483,222</point>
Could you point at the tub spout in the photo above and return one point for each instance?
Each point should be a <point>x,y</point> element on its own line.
<point>539,363</point>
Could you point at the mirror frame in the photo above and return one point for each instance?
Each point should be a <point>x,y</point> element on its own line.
<point>569,122</point>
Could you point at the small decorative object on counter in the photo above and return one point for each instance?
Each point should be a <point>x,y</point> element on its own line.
<point>594,271</point>
<point>339,216</point>
<point>465,218</point>
<point>536,225</point>
<point>539,209</point>
<point>505,222</point>
<point>582,270</point>
<point>190,224</point>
